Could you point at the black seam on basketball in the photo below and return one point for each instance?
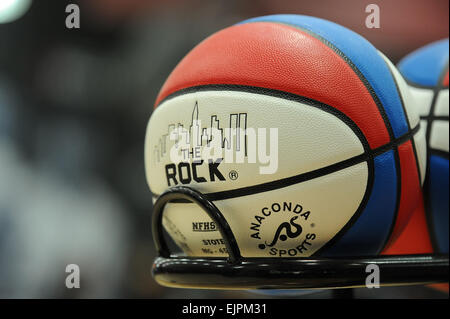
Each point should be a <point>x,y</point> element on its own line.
<point>398,166</point>
<point>419,86</point>
<point>377,102</point>
<point>436,91</point>
<point>439,153</point>
<point>354,68</point>
<point>407,122</point>
<point>435,118</point>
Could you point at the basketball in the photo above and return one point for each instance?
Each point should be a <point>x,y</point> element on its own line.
<point>426,71</point>
<point>299,130</point>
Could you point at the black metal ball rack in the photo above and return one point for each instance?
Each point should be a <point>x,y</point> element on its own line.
<point>238,272</point>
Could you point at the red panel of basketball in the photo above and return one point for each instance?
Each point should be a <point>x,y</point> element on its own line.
<point>284,58</point>
<point>445,80</point>
<point>410,190</point>
<point>415,239</point>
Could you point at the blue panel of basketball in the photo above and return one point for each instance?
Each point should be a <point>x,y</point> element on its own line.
<point>424,67</point>
<point>377,216</point>
<point>439,170</point>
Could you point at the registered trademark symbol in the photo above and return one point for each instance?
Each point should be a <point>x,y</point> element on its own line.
<point>233,175</point>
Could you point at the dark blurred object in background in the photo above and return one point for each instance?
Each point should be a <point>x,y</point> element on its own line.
<point>74,105</point>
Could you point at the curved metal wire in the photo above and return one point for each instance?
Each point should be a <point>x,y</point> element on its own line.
<point>237,272</point>
<point>186,193</point>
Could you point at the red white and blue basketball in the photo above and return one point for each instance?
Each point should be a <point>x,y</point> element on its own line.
<point>350,152</point>
<point>426,71</point>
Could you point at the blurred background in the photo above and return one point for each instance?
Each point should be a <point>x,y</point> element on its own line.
<point>74,104</point>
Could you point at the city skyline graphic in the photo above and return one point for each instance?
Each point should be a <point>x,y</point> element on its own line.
<point>237,122</point>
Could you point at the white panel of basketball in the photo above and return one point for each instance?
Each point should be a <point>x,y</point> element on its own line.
<point>321,207</point>
<point>309,138</point>
<point>439,135</point>
<point>441,108</point>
